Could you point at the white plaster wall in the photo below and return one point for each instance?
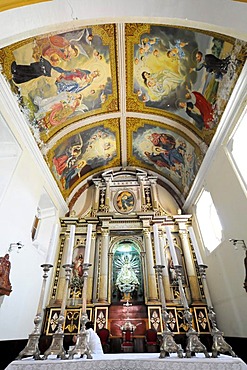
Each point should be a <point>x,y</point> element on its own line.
<point>226,272</point>
<point>18,208</point>
<point>217,15</point>
<point>167,201</point>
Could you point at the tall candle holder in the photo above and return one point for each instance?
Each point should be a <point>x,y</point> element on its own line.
<point>219,343</point>
<point>32,346</point>
<point>56,347</point>
<point>168,343</point>
<point>81,347</point>
<point>193,343</point>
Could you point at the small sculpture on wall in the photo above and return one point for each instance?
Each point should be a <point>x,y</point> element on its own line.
<point>236,243</point>
<point>5,286</point>
<point>245,264</point>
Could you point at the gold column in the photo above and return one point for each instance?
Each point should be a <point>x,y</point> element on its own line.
<point>191,271</point>
<point>152,294</point>
<point>104,266</point>
<point>91,269</point>
<point>165,273</point>
<point>62,280</point>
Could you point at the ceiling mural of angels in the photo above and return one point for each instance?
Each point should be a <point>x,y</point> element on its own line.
<point>83,153</point>
<point>181,73</point>
<point>140,84</point>
<point>60,78</point>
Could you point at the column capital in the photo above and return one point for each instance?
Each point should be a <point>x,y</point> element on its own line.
<point>146,232</point>
<point>183,234</point>
<point>105,232</point>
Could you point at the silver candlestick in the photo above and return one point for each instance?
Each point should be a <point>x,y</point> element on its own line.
<point>32,346</point>
<point>56,347</point>
<point>81,347</point>
<point>193,342</point>
<point>219,343</point>
<point>168,343</point>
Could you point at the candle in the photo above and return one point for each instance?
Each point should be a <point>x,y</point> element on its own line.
<point>172,247</point>
<point>156,244</point>
<point>88,243</point>
<point>195,246</point>
<point>52,244</point>
<point>71,245</point>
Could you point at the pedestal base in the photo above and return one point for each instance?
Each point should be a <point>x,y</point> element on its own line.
<point>56,347</point>
<point>194,344</point>
<point>168,345</point>
<point>31,349</point>
<point>81,348</point>
<point>220,345</point>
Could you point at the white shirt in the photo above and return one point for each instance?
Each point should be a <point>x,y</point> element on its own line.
<point>94,342</point>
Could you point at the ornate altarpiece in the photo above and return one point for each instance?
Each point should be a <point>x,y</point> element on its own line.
<point>122,285</point>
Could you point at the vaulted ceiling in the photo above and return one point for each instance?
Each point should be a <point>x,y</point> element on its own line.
<point>124,95</point>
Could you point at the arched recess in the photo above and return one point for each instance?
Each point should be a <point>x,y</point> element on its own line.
<point>127,277</point>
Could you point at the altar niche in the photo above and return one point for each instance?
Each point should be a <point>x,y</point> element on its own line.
<point>127,272</point>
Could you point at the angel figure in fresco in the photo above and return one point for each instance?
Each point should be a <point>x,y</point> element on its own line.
<point>162,83</point>
<point>55,111</point>
<point>55,48</point>
<point>82,40</point>
<point>147,45</point>
<point>176,51</point>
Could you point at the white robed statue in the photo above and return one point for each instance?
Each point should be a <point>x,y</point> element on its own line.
<point>127,280</point>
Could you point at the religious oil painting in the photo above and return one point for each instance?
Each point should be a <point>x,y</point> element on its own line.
<point>181,73</point>
<point>84,152</point>
<point>172,155</point>
<point>60,78</point>
<point>125,201</point>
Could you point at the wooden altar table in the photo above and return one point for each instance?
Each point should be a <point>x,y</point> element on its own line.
<point>135,361</point>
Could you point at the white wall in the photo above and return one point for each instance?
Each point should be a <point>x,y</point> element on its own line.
<point>226,272</point>
<point>217,15</point>
<point>18,208</point>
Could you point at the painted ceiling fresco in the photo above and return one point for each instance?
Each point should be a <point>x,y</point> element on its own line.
<point>76,88</point>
